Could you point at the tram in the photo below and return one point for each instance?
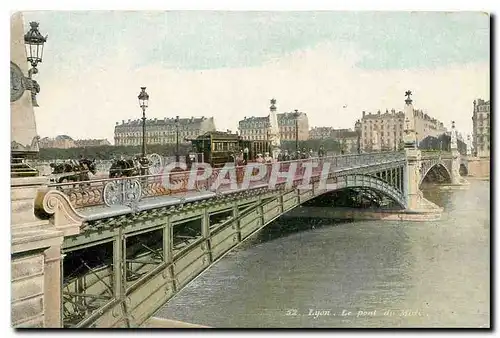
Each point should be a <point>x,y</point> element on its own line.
<point>218,148</point>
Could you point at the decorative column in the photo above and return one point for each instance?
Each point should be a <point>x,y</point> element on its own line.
<point>409,122</point>
<point>412,171</point>
<point>274,131</point>
<point>469,146</point>
<point>455,163</point>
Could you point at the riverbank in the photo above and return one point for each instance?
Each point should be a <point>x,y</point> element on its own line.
<point>365,214</point>
<point>478,178</point>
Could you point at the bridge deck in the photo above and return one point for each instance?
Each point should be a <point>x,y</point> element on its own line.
<point>111,197</point>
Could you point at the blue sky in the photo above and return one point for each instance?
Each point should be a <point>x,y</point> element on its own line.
<point>200,48</point>
<point>205,40</point>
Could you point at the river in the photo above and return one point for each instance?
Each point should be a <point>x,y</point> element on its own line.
<point>370,274</point>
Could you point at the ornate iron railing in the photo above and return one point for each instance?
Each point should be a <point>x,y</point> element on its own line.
<point>130,190</point>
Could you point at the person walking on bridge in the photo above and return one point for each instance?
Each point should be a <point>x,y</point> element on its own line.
<point>321,151</point>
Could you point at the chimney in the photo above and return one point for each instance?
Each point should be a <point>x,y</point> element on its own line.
<point>378,112</point>
<point>116,124</point>
<point>364,113</point>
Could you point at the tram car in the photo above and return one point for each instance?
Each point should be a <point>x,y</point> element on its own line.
<point>218,148</point>
<point>72,170</point>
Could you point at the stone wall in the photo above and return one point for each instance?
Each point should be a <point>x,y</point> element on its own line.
<point>27,305</point>
<point>479,167</point>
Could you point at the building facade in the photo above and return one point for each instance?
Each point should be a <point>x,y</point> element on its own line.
<point>162,131</point>
<point>91,143</point>
<point>481,128</point>
<point>385,131</point>
<point>257,127</point>
<point>347,138</point>
<point>323,133</point>
<point>66,142</point>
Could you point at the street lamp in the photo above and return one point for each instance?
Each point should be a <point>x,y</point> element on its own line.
<point>33,42</point>
<point>357,127</point>
<point>296,115</point>
<point>177,139</point>
<point>143,103</point>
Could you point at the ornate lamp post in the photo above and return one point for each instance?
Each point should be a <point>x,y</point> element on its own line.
<point>177,139</point>
<point>143,103</point>
<point>357,127</point>
<point>34,42</point>
<point>296,115</point>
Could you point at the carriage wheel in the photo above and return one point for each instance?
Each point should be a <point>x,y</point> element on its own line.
<point>155,163</point>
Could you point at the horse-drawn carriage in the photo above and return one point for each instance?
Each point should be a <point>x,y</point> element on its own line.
<point>135,166</point>
<point>72,170</point>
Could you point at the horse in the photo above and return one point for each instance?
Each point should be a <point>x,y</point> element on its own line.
<point>125,168</point>
<point>86,165</point>
<point>59,168</point>
<point>79,169</point>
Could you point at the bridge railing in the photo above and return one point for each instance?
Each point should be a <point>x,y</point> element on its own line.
<point>130,190</point>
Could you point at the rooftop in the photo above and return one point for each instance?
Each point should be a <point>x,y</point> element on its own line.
<point>164,121</point>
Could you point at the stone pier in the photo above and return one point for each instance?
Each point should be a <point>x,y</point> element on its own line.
<point>36,237</point>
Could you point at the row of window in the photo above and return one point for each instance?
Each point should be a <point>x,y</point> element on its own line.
<point>382,127</point>
<point>264,131</point>
<point>386,134</point>
<point>163,133</point>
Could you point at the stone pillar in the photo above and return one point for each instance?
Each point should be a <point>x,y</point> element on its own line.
<point>469,146</point>
<point>455,163</point>
<point>52,287</point>
<point>23,128</point>
<point>274,131</point>
<point>39,218</point>
<point>31,266</point>
<point>412,178</point>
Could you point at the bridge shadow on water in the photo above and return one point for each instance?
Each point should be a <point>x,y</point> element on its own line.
<point>355,198</point>
<point>286,226</point>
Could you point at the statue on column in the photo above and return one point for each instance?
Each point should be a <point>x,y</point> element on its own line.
<point>469,145</point>
<point>409,122</point>
<point>453,135</point>
<point>274,132</point>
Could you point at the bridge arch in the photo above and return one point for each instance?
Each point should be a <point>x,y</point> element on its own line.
<point>372,183</point>
<point>173,255</point>
<point>436,172</point>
